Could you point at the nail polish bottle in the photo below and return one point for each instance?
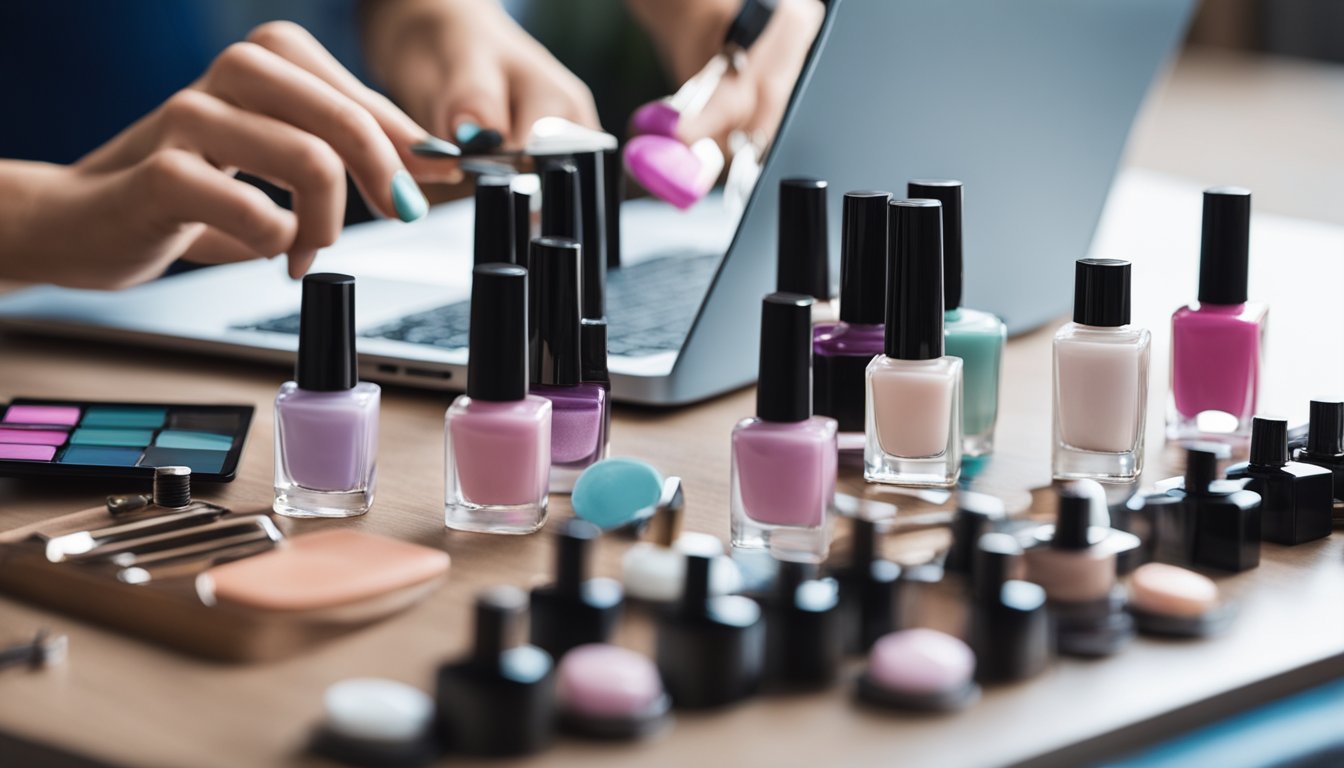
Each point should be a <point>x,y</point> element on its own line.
<point>497,436</point>
<point>613,185</point>
<point>1296,499</point>
<point>784,459</point>
<point>1224,516</point>
<point>977,337</point>
<point>710,650</point>
<point>1165,532</point>
<point>1011,630</point>
<point>804,629</point>
<point>1075,563</point>
<point>579,408</point>
<point>1100,379</point>
<point>870,588</point>
<point>1217,342</point>
<point>913,421</point>
<point>1325,441</point>
<point>976,515</point>
<point>574,610</point>
<point>522,229</point>
<point>841,351</point>
<point>592,232</point>
<point>500,699</point>
<point>492,241</point>
<point>560,215</point>
<point>326,420</point>
<point>804,245</point>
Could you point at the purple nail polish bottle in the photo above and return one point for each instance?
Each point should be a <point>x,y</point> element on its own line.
<point>579,408</point>
<point>784,459</point>
<point>326,420</point>
<point>803,245</point>
<point>843,350</point>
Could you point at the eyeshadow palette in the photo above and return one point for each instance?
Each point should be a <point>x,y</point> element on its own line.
<point>121,440</point>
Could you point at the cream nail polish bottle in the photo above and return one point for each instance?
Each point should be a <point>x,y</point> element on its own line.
<point>913,411</point>
<point>1100,379</point>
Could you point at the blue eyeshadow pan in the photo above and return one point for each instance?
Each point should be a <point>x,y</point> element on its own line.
<point>124,416</point>
<point>201,462</point>
<point>202,441</point>
<point>138,438</point>
<point>101,455</point>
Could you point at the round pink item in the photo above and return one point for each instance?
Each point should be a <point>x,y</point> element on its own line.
<point>600,680</point>
<point>920,661</point>
<point>666,168</point>
<point>657,118</point>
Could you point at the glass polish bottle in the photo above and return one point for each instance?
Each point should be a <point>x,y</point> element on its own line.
<point>1100,379</point>
<point>1218,341</point>
<point>913,421</point>
<point>579,414</point>
<point>803,247</point>
<point>497,436</point>
<point>977,337</point>
<point>784,459</point>
<point>326,420</point>
<point>841,351</point>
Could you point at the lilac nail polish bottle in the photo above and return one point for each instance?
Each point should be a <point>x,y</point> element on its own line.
<point>579,414</point>
<point>784,459</point>
<point>326,420</point>
<point>842,351</point>
<point>498,437</point>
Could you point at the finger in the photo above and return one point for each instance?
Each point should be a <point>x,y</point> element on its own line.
<point>182,188</point>
<point>270,149</point>
<point>533,98</point>
<point>214,247</point>
<point>475,97</point>
<point>259,80</point>
<point>727,110</point>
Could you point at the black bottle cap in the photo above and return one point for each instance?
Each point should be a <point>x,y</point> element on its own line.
<point>710,650</point>
<point>869,588</point>
<point>593,350</point>
<point>1225,245</point>
<point>975,516</point>
<point>560,200</point>
<point>862,543</point>
<point>804,254</point>
<point>998,558</point>
<point>749,22</point>
<point>614,185</point>
<point>1073,519</point>
<point>915,280</point>
<point>863,258</point>
<point>499,622</point>
<point>784,390</point>
<point>1012,636</point>
<point>327,360</point>
<point>1269,442</point>
<point>522,227</point>
<point>493,241</point>
<point>556,266</point>
<point>1101,292</point>
<point>593,232</point>
<point>1325,433</point>
<point>497,356</point>
<point>574,610</point>
<point>947,192</point>
<point>805,639</point>
<point>573,543</point>
<point>1201,467</point>
<point>172,487</point>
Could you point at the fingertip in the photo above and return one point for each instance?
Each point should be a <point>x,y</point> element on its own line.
<point>299,262</point>
<point>407,198</point>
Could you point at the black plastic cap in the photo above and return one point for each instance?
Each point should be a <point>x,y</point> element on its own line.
<point>804,246</point>
<point>555,348</point>
<point>560,200</point>
<point>1269,442</point>
<point>862,542</point>
<point>805,643</point>
<point>1201,467</point>
<point>593,232</point>
<point>750,22</point>
<point>613,171</point>
<point>593,351</point>
<point>172,487</point>
<point>998,558</point>
<point>975,516</point>
<point>1325,433</point>
<point>784,392</point>
<point>497,356</point>
<point>493,239</point>
<point>522,227</point>
<point>1101,292</point>
<point>573,543</point>
<point>1012,635</point>
<point>915,280</point>
<point>499,621</point>
<point>863,258</point>
<point>947,192</point>
<point>1225,245</point>
<point>327,360</point>
<point>574,610</point>
<point>695,588</point>
<point>1073,519</point>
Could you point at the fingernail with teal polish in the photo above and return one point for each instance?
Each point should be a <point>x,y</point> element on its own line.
<point>407,198</point>
<point>466,132</point>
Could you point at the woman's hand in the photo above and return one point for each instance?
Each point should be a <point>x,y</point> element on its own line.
<point>459,66</point>
<point>278,106</point>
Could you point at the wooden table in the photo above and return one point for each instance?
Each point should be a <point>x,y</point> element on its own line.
<point>120,701</point>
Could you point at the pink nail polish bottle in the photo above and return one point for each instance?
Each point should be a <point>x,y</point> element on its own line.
<point>1217,342</point>
<point>498,436</point>
<point>784,459</point>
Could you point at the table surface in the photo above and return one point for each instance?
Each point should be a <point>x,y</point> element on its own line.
<point>127,702</point>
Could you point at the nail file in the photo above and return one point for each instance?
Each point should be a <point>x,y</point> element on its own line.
<point>238,548</point>
<point>261,529</point>
<point>167,540</point>
<point>59,548</point>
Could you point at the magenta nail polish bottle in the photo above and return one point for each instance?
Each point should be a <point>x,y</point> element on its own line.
<point>579,414</point>
<point>326,420</point>
<point>1217,342</point>
<point>498,437</point>
<point>841,351</point>
<point>784,459</point>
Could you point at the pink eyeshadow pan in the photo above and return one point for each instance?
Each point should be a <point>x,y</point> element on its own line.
<point>33,436</point>
<point>56,415</point>
<point>27,452</point>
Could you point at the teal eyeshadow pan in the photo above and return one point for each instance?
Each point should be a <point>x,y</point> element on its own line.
<point>102,455</point>
<point>203,441</point>
<point>144,417</point>
<point>199,461</point>
<point>137,438</point>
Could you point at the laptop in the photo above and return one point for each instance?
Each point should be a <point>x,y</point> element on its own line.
<point>1027,102</point>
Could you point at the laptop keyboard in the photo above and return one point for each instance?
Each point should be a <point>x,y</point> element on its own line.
<point>650,308</point>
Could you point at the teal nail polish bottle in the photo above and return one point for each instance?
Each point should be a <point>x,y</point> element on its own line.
<point>977,337</point>
<point>407,198</point>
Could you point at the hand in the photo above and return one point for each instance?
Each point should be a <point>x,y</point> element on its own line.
<point>277,106</point>
<point>458,66</point>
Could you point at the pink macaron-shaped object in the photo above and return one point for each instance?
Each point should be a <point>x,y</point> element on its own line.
<point>606,691</point>
<point>920,669</point>
<point>657,118</point>
<point>672,171</point>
